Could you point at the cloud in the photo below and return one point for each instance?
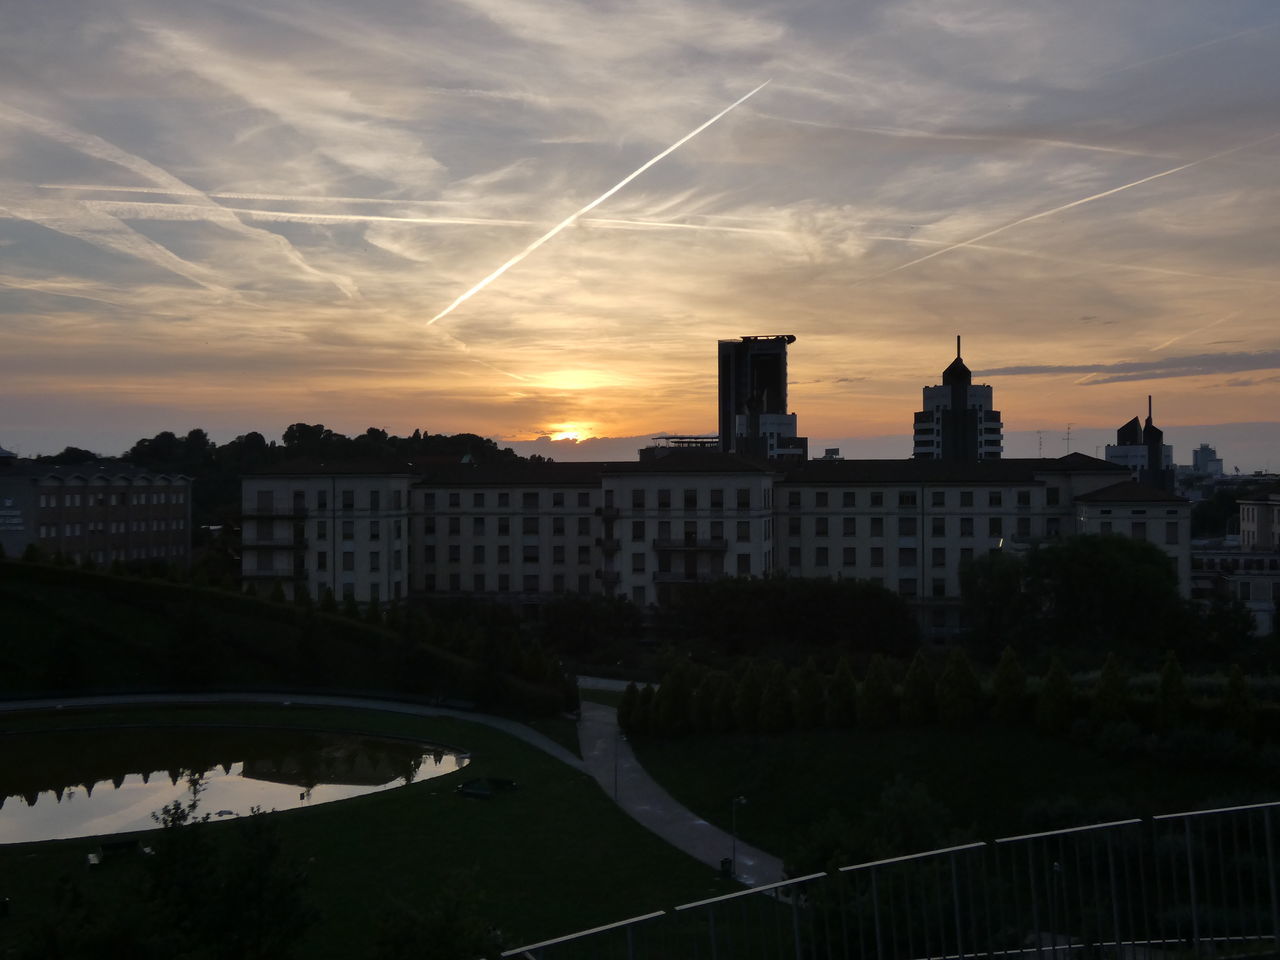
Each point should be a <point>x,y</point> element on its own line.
<point>1205,364</point>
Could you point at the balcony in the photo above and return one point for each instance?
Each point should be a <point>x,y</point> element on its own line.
<point>717,544</point>
<point>608,546</point>
<point>608,577</point>
<point>280,513</point>
<point>607,513</point>
<point>672,576</point>
<point>273,543</point>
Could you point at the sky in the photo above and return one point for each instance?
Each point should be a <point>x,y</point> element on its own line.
<point>237,216</point>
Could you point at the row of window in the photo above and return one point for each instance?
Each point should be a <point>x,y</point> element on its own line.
<point>690,498</point>
<point>1138,529</point>
<point>910,498</point>
<point>529,499</point>
<point>98,528</point>
<point>910,526</point>
<point>266,500</point>
<point>529,553</point>
<point>111,499</point>
<point>502,582</point>
<point>529,526</point>
<point>373,561</point>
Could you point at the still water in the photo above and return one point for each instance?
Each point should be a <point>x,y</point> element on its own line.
<point>64,784</point>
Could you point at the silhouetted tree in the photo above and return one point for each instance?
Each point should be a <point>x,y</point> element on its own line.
<point>1111,695</point>
<point>1008,688</point>
<point>918,704</point>
<point>1054,706</point>
<point>959,692</point>
<point>876,701</point>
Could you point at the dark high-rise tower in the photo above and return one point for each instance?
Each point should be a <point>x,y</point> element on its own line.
<point>1142,449</point>
<point>957,422</point>
<point>753,415</point>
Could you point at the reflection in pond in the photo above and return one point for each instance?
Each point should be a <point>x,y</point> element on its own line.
<point>80,783</point>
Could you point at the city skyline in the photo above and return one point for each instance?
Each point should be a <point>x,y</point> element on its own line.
<point>236,218</point>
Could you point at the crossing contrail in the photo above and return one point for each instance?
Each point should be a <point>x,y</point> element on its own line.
<point>587,209</point>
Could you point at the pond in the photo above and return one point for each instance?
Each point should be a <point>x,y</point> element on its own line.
<point>80,783</point>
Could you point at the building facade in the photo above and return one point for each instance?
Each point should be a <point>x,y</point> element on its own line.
<point>752,407</point>
<point>645,530</point>
<point>1142,450</point>
<point>958,422</point>
<point>102,512</point>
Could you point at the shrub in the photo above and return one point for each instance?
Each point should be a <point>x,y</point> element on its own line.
<point>918,704</point>
<point>1054,706</point>
<point>959,693</point>
<point>1008,688</point>
<point>876,705</point>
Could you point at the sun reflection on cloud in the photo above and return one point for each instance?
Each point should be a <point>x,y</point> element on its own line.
<point>570,431</point>
<point>581,379</point>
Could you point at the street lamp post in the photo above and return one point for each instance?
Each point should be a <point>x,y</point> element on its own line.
<point>733,834</point>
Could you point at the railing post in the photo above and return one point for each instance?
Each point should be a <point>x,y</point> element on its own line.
<point>1271,877</point>
<point>955,906</point>
<point>875,910</point>
<point>1035,911</point>
<point>1191,879</point>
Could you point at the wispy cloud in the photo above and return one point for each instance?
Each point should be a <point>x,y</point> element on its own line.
<point>1196,365</point>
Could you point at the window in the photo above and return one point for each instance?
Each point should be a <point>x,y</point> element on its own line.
<point>529,526</point>
<point>793,499</point>
<point>557,583</point>
<point>848,499</point>
<point>455,526</point>
<point>877,556</point>
<point>1139,531</point>
<point>584,498</point>
<point>966,498</point>
<point>717,529</point>
<point>906,498</point>
<point>717,499</point>
<point>966,554</point>
<point>877,498</point>
<point>504,526</point>
<point>375,530</point>
<point>1171,531</point>
<point>455,499</point>
<point>938,526</point>
<point>820,556</point>
<point>966,526</point>
<point>584,526</point>
<point>744,498</point>
<point>529,500</point>
<point>906,556</point>
<point>994,498</point>
<point>906,526</point>
<point>637,530</point>
<point>477,526</point>
<point>744,531</point>
<point>584,583</point>
<point>348,560</point>
<point>397,560</point>
<point>637,563</point>
<point>477,582</point>
<point>396,529</point>
<point>348,529</point>
<point>322,499</point>
<point>1051,495</point>
<point>664,499</point>
<point>877,526</point>
<point>322,529</point>
<point>557,554</point>
<point>348,591</point>
<point>584,554</point>
<point>637,596</point>
<point>938,557</point>
<point>557,526</point>
<point>849,556</point>
<point>396,500</point>
<point>477,553</point>
<point>938,587</point>
<point>664,529</point>
<point>375,500</point>
<point>744,564</point>
<point>477,499</point>
<point>849,526</point>
<point>322,560</point>
<point>820,526</point>
<point>375,561</point>
<point>820,498</point>
<point>557,498</point>
<point>531,583</point>
<point>793,526</point>
<point>995,528</point>
<point>428,501</point>
<point>637,498</point>
<point>455,553</point>
<point>907,587</point>
<point>1022,527</point>
<point>1024,498</point>
<point>793,557</point>
<point>690,498</point>
<point>504,553</point>
<point>1051,526</point>
<point>938,498</point>
<point>504,499</point>
<point>529,553</point>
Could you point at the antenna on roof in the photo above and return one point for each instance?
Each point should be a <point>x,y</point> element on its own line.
<point>1148,406</point>
<point>957,346</point>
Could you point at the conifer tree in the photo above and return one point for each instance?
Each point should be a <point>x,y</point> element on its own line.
<point>1054,706</point>
<point>746,704</point>
<point>350,608</point>
<point>842,697</point>
<point>959,692</point>
<point>918,704</point>
<point>627,707</point>
<point>328,602</point>
<point>642,716</point>
<point>775,702</point>
<point>1111,695</point>
<point>876,706</point>
<point>1237,703</point>
<point>1174,700</point>
<point>671,704</point>
<point>1008,688</point>
<point>301,595</point>
<point>808,705</point>
<point>277,593</point>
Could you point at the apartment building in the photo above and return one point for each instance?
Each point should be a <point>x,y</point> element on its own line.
<point>342,527</point>
<point>101,512</point>
<point>644,530</point>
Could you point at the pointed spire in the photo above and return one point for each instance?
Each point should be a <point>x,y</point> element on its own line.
<point>957,346</point>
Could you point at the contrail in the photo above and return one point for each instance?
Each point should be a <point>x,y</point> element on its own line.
<point>1190,333</point>
<point>587,209</point>
<point>1066,206</point>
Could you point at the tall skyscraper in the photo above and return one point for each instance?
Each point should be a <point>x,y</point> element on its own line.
<point>753,413</point>
<point>958,422</point>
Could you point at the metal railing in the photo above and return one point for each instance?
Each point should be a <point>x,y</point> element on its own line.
<point>1197,883</point>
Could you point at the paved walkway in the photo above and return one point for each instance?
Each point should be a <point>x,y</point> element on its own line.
<point>610,759</point>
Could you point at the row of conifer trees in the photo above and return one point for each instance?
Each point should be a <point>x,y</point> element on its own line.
<point>759,697</point>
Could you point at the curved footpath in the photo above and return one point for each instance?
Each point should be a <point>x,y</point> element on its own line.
<point>610,759</point>
<point>607,757</point>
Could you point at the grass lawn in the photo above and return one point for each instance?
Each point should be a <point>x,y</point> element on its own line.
<point>553,857</point>
<point>993,782</point>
